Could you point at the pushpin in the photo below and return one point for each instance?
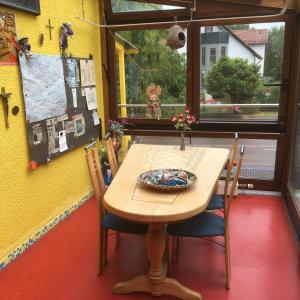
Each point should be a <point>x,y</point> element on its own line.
<point>33,165</point>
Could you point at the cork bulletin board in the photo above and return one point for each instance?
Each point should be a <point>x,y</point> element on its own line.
<point>60,103</point>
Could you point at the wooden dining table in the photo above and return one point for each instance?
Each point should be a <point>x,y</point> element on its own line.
<point>129,199</point>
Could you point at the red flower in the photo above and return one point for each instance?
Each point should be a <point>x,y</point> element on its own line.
<point>180,115</point>
<point>187,110</point>
<point>173,118</point>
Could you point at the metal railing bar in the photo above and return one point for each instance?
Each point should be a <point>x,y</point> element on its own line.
<point>208,105</point>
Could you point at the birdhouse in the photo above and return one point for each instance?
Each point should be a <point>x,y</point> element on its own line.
<point>176,37</point>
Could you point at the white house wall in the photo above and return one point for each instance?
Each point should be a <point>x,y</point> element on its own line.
<point>260,49</point>
<point>237,49</point>
<point>207,47</point>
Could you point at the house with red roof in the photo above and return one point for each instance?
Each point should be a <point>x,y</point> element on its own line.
<point>217,41</point>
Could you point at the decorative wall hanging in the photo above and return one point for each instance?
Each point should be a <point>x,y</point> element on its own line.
<point>153,110</point>
<point>5,97</point>
<point>65,32</point>
<point>30,6</point>
<point>50,27</point>
<point>176,37</point>
<point>8,39</point>
<point>24,47</point>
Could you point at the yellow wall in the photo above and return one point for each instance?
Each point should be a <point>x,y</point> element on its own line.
<point>30,199</point>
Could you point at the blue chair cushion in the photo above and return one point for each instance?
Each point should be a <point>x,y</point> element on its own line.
<point>205,224</point>
<point>116,223</point>
<point>216,202</point>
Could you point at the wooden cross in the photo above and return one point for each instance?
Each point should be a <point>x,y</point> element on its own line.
<point>4,96</point>
<point>50,27</point>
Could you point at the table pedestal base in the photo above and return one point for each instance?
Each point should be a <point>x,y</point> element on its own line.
<point>156,282</point>
<point>168,286</point>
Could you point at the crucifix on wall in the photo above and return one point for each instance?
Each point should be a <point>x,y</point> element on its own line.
<point>50,27</point>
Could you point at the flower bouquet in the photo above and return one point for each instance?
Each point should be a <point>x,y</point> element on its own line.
<point>183,122</point>
<point>116,131</point>
<point>116,127</point>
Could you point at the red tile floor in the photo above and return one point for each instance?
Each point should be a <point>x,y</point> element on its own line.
<point>63,265</point>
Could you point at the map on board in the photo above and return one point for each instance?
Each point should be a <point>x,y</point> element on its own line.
<point>43,87</point>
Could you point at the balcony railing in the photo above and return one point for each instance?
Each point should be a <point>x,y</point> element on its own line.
<point>214,105</point>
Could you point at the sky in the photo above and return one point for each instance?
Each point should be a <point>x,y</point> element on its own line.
<point>266,25</point>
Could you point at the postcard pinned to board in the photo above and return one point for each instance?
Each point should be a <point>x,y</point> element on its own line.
<point>79,124</point>
<point>87,72</point>
<point>96,118</point>
<point>91,98</point>
<point>63,146</point>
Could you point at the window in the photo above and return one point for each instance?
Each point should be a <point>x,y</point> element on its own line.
<point>213,56</point>
<point>254,166</point>
<point>203,55</point>
<point>135,6</point>
<point>151,77</point>
<point>223,51</point>
<point>248,73</point>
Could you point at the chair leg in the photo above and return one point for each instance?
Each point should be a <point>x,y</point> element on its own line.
<point>167,254</point>
<point>105,246</point>
<point>177,248</point>
<point>118,240</point>
<point>227,263</point>
<point>101,250</point>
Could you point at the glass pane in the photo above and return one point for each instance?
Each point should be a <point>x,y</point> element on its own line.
<point>259,159</point>
<point>151,77</point>
<point>295,180</point>
<point>240,80</point>
<point>119,6</point>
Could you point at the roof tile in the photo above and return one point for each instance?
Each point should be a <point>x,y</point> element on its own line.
<point>253,36</point>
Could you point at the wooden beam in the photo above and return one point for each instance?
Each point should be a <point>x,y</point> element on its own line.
<point>266,3</point>
<point>104,60</point>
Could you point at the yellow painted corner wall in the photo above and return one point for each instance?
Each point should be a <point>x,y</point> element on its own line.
<point>30,199</point>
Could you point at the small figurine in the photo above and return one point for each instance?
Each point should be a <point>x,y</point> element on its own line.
<point>65,32</point>
<point>24,47</point>
<point>154,108</point>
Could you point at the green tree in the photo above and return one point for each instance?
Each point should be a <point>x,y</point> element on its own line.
<point>124,6</point>
<point>239,26</point>
<point>234,76</point>
<point>155,63</point>
<point>273,55</point>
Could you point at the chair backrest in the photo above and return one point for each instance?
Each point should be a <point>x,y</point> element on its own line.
<point>230,163</point>
<point>234,183</point>
<point>111,156</point>
<point>94,166</point>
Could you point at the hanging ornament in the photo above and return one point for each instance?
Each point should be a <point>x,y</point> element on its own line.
<point>176,37</point>
<point>154,108</point>
<point>65,32</point>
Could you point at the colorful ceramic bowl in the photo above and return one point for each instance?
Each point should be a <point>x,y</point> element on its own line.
<point>167,179</point>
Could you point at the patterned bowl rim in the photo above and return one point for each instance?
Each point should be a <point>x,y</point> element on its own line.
<point>168,188</point>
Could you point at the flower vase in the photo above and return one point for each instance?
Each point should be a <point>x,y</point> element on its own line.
<point>116,141</point>
<point>182,142</point>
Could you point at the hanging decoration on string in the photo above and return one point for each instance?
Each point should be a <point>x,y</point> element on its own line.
<point>176,37</point>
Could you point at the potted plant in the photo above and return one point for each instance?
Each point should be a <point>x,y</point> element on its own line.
<point>116,132</point>
<point>183,121</point>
